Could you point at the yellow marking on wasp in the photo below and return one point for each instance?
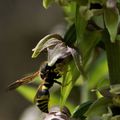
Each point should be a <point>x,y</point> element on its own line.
<point>43,97</point>
<point>44,87</point>
<point>41,103</point>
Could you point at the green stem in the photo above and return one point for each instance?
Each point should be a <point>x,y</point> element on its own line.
<point>84,92</point>
<point>113,57</point>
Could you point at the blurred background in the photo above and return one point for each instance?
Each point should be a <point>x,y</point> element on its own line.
<point>22,24</point>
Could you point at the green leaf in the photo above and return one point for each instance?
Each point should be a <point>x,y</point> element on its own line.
<point>86,40</point>
<point>111,18</point>
<point>70,35</point>
<point>69,11</point>
<point>99,21</point>
<point>28,92</point>
<point>103,83</point>
<point>69,80</point>
<point>80,24</point>
<point>47,3</point>
<point>118,37</point>
<point>88,44</point>
<point>98,108</point>
<point>85,12</point>
<point>118,1</point>
<point>63,2</point>
<point>55,101</point>
<point>79,111</point>
<point>100,66</point>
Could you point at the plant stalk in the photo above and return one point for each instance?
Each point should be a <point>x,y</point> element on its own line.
<point>113,58</point>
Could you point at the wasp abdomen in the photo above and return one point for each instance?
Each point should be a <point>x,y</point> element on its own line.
<point>42,99</point>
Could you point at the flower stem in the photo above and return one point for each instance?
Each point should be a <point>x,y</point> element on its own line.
<point>113,58</point>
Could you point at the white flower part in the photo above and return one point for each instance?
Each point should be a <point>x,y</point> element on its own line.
<point>55,117</point>
<point>51,43</point>
<point>77,58</point>
<point>60,51</point>
<point>56,114</point>
<point>111,3</point>
<point>42,44</point>
<point>57,49</point>
<point>115,89</point>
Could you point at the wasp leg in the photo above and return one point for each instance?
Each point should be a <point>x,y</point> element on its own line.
<point>61,83</point>
<point>58,82</point>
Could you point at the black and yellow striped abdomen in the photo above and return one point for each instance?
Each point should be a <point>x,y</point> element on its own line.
<point>42,99</point>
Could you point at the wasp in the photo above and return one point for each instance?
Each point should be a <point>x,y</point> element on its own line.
<point>48,74</point>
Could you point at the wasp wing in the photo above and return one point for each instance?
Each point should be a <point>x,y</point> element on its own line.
<point>23,81</point>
